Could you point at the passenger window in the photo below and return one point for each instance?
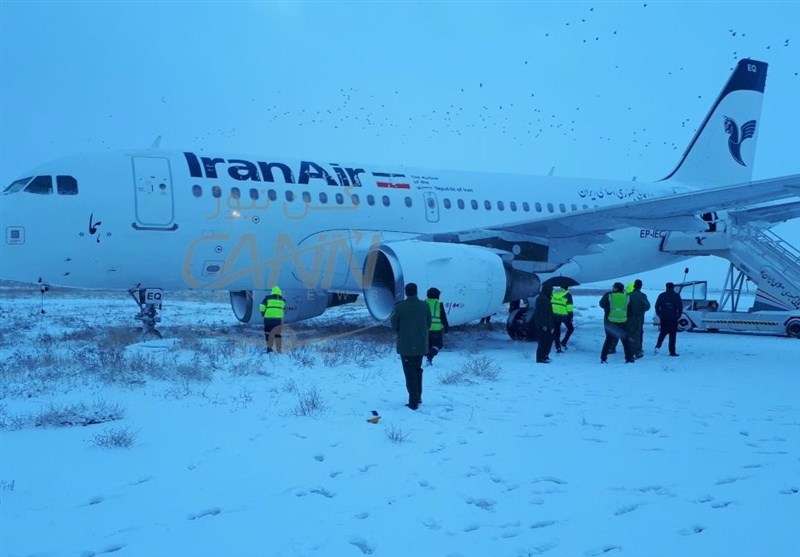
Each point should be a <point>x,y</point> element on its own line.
<point>272,195</point>
<point>500,206</point>
<point>42,185</point>
<point>562,208</point>
<point>306,197</point>
<point>513,206</point>
<point>487,205</point>
<point>66,185</point>
<point>216,191</point>
<point>474,204</point>
<point>236,193</point>
<point>289,195</point>
<point>370,200</point>
<point>355,199</point>
<point>525,206</point>
<point>339,198</point>
<point>538,207</point>
<point>17,185</point>
<point>385,200</point>
<point>197,191</point>
<point>323,197</point>
<point>408,202</point>
<point>460,203</point>
<point>550,207</point>
<point>254,194</point>
<point>574,207</point>
<point>585,206</point>
<point>447,203</point>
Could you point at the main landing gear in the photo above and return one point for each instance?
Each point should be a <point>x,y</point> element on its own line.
<point>149,302</point>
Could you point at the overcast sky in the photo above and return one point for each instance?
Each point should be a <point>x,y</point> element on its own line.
<point>595,89</point>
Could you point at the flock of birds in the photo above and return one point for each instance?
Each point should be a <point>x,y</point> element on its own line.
<point>473,109</point>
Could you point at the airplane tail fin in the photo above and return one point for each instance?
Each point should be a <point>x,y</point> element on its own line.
<point>722,151</point>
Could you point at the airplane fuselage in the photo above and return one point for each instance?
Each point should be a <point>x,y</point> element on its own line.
<point>182,220</point>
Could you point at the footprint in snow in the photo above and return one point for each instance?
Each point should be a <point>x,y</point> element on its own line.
<point>362,544</point>
<point>625,509</point>
<point>319,457</point>
<point>108,549</point>
<point>692,530</point>
<point>213,511</point>
<point>485,504</point>
<point>324,492</point>
<point>603,549</point>
<point>790,491</point>
<point>730,480</point>
<point>361,516</point>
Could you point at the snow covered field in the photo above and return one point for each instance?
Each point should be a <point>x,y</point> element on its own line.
<point>232,452</point>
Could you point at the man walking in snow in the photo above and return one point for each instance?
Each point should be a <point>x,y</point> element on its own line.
<point>439,324</point>
<point>637,306</point>
<point>669,307</point>
<point>412,320</point>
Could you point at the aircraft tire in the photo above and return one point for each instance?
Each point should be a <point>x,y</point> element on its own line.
<point>793,328</point>
<point>518,324</point>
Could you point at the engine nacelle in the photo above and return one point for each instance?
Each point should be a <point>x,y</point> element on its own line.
<point>473,280</point>
<point>300,304</point>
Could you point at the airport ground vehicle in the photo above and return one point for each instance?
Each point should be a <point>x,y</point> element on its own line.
<point>700,313</point>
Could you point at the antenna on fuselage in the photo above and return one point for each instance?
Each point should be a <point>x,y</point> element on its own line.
<point>156,143</point>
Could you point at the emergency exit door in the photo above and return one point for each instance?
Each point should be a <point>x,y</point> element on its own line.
<point>152,182</point>
<point>431,207</point>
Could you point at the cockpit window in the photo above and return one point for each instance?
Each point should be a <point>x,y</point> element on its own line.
<point>66,185</point>
<point>42,185</point>
<point>18,185</point>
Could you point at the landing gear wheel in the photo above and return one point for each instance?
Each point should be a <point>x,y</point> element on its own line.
<point>149,302</point>
<point>793,328</point>
<point>519,325</point>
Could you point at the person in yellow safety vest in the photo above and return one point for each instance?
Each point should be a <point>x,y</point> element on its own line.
<point>272,308</point>
<point>562,313</point>
<point>613,348</point>
<point>615,306</point>
<point>438,326</point>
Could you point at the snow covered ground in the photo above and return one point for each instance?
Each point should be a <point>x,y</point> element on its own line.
<point>233,452</point>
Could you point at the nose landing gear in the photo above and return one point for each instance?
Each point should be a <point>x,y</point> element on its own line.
<point>149,302</point>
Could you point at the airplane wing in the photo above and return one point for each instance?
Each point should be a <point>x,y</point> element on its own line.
<point>769,215</point>
<point>582,231</point>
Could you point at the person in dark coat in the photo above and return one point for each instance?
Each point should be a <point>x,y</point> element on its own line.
<point>615,322</point>
<point>669,307</point>
<point>544,323</point>
<point>439,324</point>
<point>637,306</point>
<point>412,320</point>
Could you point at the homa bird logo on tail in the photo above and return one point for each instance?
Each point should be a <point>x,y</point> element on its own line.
<point>734,141</point>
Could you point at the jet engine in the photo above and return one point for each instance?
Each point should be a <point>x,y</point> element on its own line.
<point>473,280</point>
<point>300,303</point>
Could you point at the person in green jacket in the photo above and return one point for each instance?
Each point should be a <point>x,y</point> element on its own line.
<point>412,320</point>
<point>615,306</point>
<point>272,309</point>
<point>439,324</point>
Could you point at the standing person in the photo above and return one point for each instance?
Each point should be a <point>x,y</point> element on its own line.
<point>637,307</point>
<point>487,321</point>
<point>669,307</point>
<point>438,326</point>
<point>613,348</point>
<point>412,319</point>
<point>543,321</point>
<point>562,314</point>
<point>615,306</point>
<point>272,308</point>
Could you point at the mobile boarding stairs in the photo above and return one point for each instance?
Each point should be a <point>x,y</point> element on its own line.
<point>755,253</point>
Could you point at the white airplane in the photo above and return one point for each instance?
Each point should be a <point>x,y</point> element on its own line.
<point>157,220</point>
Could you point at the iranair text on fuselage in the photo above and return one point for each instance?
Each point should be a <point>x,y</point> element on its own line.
<point>261,171</point>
